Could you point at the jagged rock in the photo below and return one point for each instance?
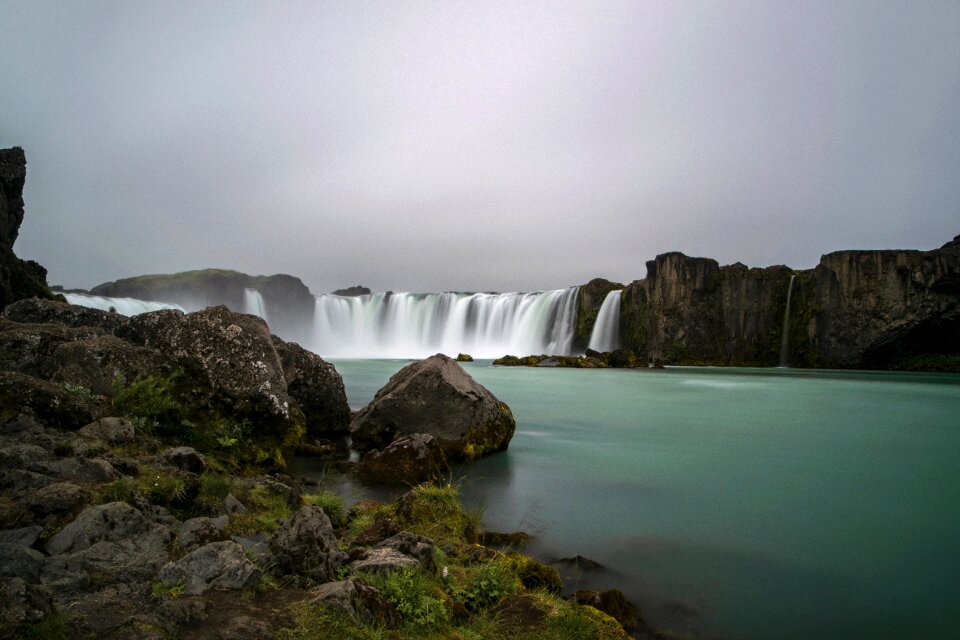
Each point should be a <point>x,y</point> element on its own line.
<point>24,536</point>
<point>185,459</point>
<point>229,366</point>
<point>361,601</point>
<point>61,497</point>
<point>383,559</point>
<point>18,278</point>
<point>317,387</point>
<point>411,544</point>
<point>382,528</point>
<point>590,298</point>
<point>217,565</point>
<point>196,532</point>
<point>47,401</point>
<point>98,363</point>
<point>84,470</point>
<point>29,348</point>
<point>614,604</point>
<point>438,397</point>
<point>40,311</point>
<point>409,460</point>
<point>305,544</point>
<point>111,522</point>
<point>111,430</point>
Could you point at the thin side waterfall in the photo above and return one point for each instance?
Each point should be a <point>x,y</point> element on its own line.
<point>606,330</point>
<point>253,304</point>
<point>785,341</point>
<point>416,325</point>
<point>125,306</point>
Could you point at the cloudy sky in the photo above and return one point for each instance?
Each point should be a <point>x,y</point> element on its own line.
<point>476,146</point>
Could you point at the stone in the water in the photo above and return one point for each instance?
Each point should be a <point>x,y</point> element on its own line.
<point>408,460</point>
<point>438,397</point>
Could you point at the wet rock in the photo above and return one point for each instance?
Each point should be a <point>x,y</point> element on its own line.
<point>217,565</point>
<point>358,599</point>
<point>185,459</point>
<point>111,430</point>
<point>318,389</point>
<point>305,544</point>
<point>409,460</point>
<point>438,397</point>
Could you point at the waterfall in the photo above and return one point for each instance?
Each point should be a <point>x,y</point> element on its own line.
<point>606,330</point>
<point>125,306</point>
<point>415,325</point>
<point>785,341</point>
<point>253,304</point>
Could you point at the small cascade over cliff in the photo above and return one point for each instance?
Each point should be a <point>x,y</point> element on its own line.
<point>125,306</point>
<point>606,331</point>
<point>785,340</point>
<point>415,325</point>
<point>253,303</point>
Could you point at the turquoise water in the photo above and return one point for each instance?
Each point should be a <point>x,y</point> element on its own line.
<point>736,503</point>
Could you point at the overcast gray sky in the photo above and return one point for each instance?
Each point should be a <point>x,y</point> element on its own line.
<point>476,146</point>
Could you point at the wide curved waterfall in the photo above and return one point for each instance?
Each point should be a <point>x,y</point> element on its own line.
<point>125,306</point>
<point>606,331</point>
<point>415,325</point>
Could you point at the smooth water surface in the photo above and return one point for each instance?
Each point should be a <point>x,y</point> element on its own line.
<point>737,503</point>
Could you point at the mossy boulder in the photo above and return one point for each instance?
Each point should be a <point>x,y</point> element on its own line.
<point>436,396</point>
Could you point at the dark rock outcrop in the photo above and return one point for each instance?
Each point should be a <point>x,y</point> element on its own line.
<point>18,278</point>
<point>871,309</point>
<point>318,389</point>
<point>305,544</point>
<point>357,290</point>
<point>409,460</point>
<point>217,565</point>
<point>438,397</point>
<point>359,600</point>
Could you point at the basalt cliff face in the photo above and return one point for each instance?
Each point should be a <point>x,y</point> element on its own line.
<point>18,278</point>
<point>872,309</point>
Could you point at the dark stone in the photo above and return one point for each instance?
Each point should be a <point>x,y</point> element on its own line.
<point>61,497</point>
<point>359,600</point>
<point>47,401</point>
<point>40,311</point>
<point>464,357</point>
<point>113,431</point>
<point>305,544</point>
<point>592,353</point>
<point>18,278</point>
<point>382,528</point>
<point>217,565</point>
<point>409,460</point>
<point>186,459</point>
<point>318,389</point>
<point>438,397</point>
<point>382,560</point>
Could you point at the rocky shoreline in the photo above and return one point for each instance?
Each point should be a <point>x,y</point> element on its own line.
<point>143,493</point>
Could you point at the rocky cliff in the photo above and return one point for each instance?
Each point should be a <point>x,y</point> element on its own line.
<point>288,302</point>
<point>872,309</point>
<point>18,278</point>
<point>589,300</point>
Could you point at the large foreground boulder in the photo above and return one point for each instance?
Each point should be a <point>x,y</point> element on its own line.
<point>317,387</point>
<point>436,396</point>
<point>408,460</point>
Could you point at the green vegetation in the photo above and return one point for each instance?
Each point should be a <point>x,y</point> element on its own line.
<point>79,391</point>
<point>266,508</point>
<point>56,626</point>
<point>161,589</point>
<point>471,593</point>
<point>332,504</point>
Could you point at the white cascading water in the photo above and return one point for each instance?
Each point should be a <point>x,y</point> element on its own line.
<point>125,306</point>
<point>606,331</point>
<point>416,325</point>
<point>253,304</point>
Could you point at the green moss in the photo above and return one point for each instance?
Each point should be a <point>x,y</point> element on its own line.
<point>265,509</point>
<point>332,504</point>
